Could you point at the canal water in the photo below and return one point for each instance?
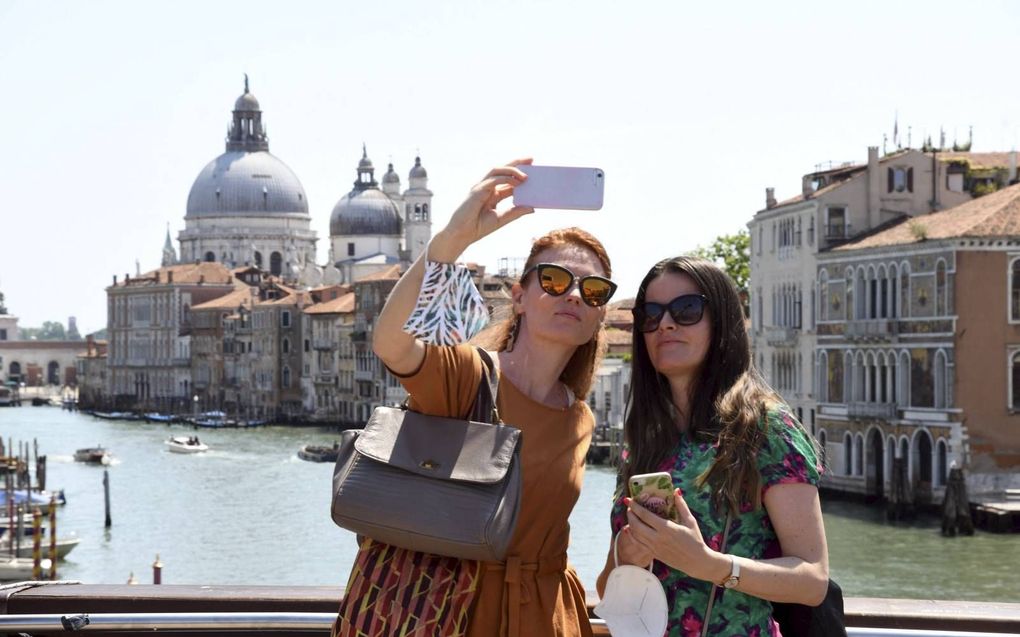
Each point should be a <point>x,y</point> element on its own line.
<point>250,512</point>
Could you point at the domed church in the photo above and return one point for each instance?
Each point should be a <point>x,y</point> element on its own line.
<point>372,228</point>
<point>247,207</point>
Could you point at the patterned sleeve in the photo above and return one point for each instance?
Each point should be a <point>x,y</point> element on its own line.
<point>450,309</point>
<point>618,515</point>
<point>788,454</point>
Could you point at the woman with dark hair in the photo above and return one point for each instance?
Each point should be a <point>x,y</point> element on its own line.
<point>546,355</point>
<point>699,411</point>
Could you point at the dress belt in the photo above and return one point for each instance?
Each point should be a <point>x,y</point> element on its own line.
<point>513,567</point>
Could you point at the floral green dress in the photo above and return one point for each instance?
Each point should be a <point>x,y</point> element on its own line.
<point>787,456</point>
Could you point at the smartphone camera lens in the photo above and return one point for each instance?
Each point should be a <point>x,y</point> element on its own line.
<point>599,175</point>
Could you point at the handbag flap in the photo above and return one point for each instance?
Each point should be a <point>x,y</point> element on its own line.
<point>437,447</point>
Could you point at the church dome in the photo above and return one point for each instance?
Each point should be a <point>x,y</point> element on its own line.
<point>418,171</point>
<point>391,176</point>
<point>366,211</point>
<point>246,183</point>
<point>247,102</point>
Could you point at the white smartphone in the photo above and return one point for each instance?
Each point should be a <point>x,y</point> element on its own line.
<point>562,187</point>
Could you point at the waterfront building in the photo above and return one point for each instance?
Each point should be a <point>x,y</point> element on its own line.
<point>836,205</point>
<point>331,388</point>
<point>91,373</point>
<point>918,352</point>
<point>373,385</point>
<point>149,329</point>
<point>247,207</point>
<point>36,362</point>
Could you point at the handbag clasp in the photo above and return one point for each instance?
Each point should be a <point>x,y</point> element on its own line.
<point>429,464</point>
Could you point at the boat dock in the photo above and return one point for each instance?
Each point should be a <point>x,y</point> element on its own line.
<point>998,515</point>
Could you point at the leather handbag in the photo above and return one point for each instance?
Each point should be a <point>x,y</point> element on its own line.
<point>431,484</point>
<point>824,620</point>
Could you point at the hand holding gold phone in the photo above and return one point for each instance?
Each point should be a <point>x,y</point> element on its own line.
<point>655,492</point>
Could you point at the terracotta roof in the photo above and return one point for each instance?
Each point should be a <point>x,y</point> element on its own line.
<point>241,296</point>
<point>978,160</point>
<point>619,318</point>
<point>294,298</point>
<point>622,304</point>
<point>209,272</point>
<point>5,345</point>
<point>340,305</point>
<point>391,273</point>
<point>617,337</point>
<point>992,216</point>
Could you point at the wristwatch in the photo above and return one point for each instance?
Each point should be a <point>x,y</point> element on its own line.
<point>734,577</point>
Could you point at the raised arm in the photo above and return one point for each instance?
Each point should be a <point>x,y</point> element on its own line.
<point>474,218</point>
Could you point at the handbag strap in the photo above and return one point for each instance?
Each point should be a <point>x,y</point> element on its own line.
<point>715,587</point>
<point>485,409</point>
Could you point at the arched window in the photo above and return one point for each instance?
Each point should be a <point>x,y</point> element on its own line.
<point>286,377</point>
<point>894,294</point>
<point>923,457</point>
<point>1014,381</point>
<point>822,442</point>
<point>940,380</point>
<point>276,264</point>
<point>210,257</point>
<point>1014,289</point>
<point>286,346</point>
<point>904,289</point>
<point>941,305</point>
<point>258,259</point>
<point>941,468</point>
<point>848,457</point>
<point>849,305</point>
<point>859,455</point>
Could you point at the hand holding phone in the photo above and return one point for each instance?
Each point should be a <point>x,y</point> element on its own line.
<point>562,187</point>
<point>655,492</point>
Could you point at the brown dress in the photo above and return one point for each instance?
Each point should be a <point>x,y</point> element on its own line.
<point>535,593</point>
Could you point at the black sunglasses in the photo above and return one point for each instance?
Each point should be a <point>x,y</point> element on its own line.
<point>686,309</point>
<point>556,280</point>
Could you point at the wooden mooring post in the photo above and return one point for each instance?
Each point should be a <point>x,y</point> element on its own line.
<point>36,544</point>
<point>899,506</point>
<point>956,506</point>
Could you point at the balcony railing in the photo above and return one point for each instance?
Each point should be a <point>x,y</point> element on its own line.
<point>885,411</point>
<point>872,329</point>
<point>324,344</point>
<point>364,374</point>
<point>779,336</point>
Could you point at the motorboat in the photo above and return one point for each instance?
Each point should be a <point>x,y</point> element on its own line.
<point>186,444</point>
<point>93,455</point>
<point>159,418</point>
<point>34,498</point>
<point>213,420</point>
<point>19,568</point>
<point>319,453</point>
<point>64,546</point>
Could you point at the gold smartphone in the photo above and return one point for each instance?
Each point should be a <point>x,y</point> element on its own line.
<point>654,491</point>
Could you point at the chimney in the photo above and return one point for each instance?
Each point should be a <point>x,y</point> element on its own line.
<point>770,198</point>
<point>874,188</point>
<point>169,276</point>
<point>807,187</point>
<point>201,279</point>
<point>1012,166</point>
<point>115,279</point>
<point>90,344</point>
<point>157,276</point>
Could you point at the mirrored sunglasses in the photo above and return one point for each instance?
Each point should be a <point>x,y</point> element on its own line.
<point>556,280</point>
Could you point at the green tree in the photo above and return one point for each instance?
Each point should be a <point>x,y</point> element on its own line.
<point>731,252</point>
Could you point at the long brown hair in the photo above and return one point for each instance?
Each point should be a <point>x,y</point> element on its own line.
<point>728,399</point>
<point>580,369</point>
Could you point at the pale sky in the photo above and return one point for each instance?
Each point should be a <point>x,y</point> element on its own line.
<point>109,110</point>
